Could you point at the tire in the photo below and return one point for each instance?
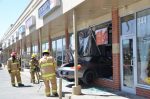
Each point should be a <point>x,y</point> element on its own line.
<point>89,77</point>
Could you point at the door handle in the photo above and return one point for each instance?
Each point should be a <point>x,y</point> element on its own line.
<point>132,61</point>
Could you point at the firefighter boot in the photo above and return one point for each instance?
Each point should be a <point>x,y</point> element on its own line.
<point>13,85</point>
<point>56,94</point>
<point>20,85</point>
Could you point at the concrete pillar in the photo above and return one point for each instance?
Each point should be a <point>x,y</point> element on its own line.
<point>116,48</point>
<point>76,90</point>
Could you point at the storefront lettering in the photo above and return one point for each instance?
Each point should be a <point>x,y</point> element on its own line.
<point>30,22</point>
<point>48,6</point>
<point>141,20</point>
<point>21,29</point>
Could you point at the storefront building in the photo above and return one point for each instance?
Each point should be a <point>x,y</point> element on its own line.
<point>121,29</point>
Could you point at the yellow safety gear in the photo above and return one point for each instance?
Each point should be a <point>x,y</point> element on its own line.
<point>14,68</point>
<point>33,72</point>
<point>45,51</point>
<point>33,56</point>
<point>48,65</point>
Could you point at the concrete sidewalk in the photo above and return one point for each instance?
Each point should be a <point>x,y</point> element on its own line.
<point>101,93</point>
<point>29,91</point>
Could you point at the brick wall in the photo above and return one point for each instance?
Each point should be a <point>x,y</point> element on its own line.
<point>104,82</point>
<point>143,92</point>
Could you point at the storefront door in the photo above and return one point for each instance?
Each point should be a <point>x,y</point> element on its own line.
<point>128,64</point>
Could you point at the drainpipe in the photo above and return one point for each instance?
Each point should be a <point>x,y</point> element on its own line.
<point>76,90</point>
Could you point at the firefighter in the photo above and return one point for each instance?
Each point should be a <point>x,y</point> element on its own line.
<point>47,66</point>
<point>14,69</point>
<point>34,68</point>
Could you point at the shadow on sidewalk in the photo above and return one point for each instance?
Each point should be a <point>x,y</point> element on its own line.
<point>25,86</point>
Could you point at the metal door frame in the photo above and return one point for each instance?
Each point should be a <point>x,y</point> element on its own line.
<point>124,88</point>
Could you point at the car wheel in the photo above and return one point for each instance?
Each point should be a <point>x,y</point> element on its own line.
<point>89,77</point>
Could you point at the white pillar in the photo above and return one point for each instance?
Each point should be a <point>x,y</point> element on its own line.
<point>76,90</point>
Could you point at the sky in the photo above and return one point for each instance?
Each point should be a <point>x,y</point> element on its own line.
<point>10,10</point>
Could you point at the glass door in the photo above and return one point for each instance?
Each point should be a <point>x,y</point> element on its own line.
<point>128,64</point>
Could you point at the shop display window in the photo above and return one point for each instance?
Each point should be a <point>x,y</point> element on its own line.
<point>35,50</point>
<point>54,48</point>
<point>143,47</point>
<point>45,46</point>
<point>128,26</point>
<point>59,50</point>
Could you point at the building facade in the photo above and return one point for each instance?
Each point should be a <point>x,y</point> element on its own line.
<point>48,24</point>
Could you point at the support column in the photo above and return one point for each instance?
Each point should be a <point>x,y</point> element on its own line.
<point>25,44</point>
<point>16,46</point>
<point>20,47</point>
<point>76,90</point>
<point>40,42</point>
<point>67,37</point>
<point>49,39</point>
<point>116,48</point>
<point>31,50</point>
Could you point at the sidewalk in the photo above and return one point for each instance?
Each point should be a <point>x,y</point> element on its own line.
<point>93,93</point>
<point>29,91</point>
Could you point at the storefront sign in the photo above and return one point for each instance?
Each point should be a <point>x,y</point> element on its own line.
<point>30,22</point>
<point>21,30</point>
<point>101,36</point>
<point>47,7</point>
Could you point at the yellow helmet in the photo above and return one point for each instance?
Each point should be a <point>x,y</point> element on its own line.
<point>45,51</point>
<point>33,56</point>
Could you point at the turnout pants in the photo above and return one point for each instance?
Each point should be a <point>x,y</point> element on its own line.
<point>32,76</point>
<point>53,82</point>
<point>16,75</point>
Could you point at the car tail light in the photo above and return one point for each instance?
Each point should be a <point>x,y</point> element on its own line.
<point>78,67</point>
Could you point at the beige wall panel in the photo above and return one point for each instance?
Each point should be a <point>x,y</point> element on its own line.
<point>90,22</point>
<point>138,6</point>
<point>69,4</point>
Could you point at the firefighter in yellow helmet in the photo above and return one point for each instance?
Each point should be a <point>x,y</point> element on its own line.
<point>14,69</point>
<point>34,68</point>
<point>47,65</point>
